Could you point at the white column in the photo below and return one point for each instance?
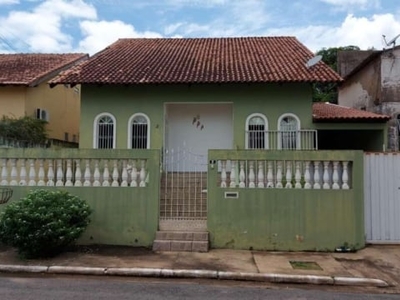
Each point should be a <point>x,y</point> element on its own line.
<point>78,173</point>
<point>60,173</point>
<point>41,174</point>
<point>326,185</point>
<point>260,175</point>
<point>4,172</point>
<point>14,172</point>
<point>96,174</point>
<point>223,173</point>
<point>32,173</point>
<point>106,174</point>
<point>297,176</point>
<point>115,174</point>
<point>242,175</point>
<point>50,173</point>
<point>68,175</point>
<point>335,176</point>
<point>252,175</point>
<point>279,184</point>
<point>289,184</point>
<point>134,174</point>
<point>270,176</point>
<point>124,175</point>
<point>22,173</point>
<point>232,183</point>
<point>345,176</point>
<point>142,174</point>
<point>307,176</point>
<point>317,177</point>
<point>87,175</point>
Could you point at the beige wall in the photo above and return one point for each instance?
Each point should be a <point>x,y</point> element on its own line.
<point>362,90</point>
<point>12,101</point>
<point>63,106</point>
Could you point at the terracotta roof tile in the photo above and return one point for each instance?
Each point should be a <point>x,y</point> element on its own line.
<point>200,60</point>
<point>30,69</point>
<point>331,112</point>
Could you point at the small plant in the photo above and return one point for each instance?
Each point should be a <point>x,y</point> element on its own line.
<point>44,223</point>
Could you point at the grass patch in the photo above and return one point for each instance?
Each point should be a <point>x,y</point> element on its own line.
<point>305,265</point>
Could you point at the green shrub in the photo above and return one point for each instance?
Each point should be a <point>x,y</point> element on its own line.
<point>44,222</point>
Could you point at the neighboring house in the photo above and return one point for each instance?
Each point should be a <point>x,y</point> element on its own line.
<point>24,91</point>
<point>372,83</point>
<point>233,123</point>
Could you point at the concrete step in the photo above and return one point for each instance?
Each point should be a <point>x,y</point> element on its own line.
<point>181,241</point>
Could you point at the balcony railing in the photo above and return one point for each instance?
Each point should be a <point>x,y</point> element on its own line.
<point>305,139</point>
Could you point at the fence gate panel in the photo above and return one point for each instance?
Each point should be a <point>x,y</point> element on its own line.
<point>183,195</point>
<point>382,197</point>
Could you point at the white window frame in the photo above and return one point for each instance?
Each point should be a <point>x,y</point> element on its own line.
<point>298,141</point>
<point>266,144</point>
<point>129,142</point>
<point>96,133</point>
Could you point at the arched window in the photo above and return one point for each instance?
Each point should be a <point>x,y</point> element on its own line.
<point>289,132</point>
<point>104,131</point>
<point>256,132</point>
<point>139,132</point>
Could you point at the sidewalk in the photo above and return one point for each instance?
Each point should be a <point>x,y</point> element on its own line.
<point>377,266</point>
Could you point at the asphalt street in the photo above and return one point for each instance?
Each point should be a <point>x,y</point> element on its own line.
<point>90,288</point>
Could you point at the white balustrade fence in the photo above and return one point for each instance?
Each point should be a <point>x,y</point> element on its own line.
<point>285,174</point>
<point>74,172</point>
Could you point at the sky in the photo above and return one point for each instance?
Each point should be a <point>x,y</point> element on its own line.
<point>88,26</point>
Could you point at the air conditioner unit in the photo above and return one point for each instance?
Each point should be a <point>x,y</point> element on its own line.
<point>42,114</point>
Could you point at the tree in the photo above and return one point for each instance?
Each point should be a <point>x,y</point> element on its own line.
<point>327,92</point>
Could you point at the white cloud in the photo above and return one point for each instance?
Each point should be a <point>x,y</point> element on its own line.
<point>40,30</point>
<point>99,34</point>
<point>8,2</point>
<point>239,18</point>
<point>67,9</point>
<point>362,4</point>
<point>362,32</point>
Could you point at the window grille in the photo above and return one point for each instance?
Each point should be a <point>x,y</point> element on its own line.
<point>289,133</point>
<point>256,132</point>
<point>105,133</point>
<point>139,132</point>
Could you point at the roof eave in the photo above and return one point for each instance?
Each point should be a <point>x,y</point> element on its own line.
<point>49,75</point>
<point>350,120</point>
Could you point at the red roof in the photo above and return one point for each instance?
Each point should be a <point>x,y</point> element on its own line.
<point>331,112</point>
<point>200,60</point>
<point>31,69</point>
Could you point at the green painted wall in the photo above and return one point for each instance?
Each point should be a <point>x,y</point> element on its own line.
<point>286,219</point>
<point>273,100</point>
<point>122,215</point>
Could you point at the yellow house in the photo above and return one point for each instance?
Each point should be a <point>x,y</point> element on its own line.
<point>24,91</point>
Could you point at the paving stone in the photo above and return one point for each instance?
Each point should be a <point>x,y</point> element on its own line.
<point>181,246</point>
<point>200,246</point>
<point>161,245</point>
<point>200,236</point>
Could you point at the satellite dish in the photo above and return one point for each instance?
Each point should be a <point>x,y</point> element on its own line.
<point>392,41</point>
<point>313,61</point>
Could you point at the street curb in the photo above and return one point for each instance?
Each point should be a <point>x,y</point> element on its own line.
<point>206,274</point>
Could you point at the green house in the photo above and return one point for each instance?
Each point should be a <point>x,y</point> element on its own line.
<point>247,161</point>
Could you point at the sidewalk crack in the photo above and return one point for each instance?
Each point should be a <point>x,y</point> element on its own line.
<point>254,262</point>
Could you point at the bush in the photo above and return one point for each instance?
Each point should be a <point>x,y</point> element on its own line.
<point>44,223</point>
<point>26,129</point>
